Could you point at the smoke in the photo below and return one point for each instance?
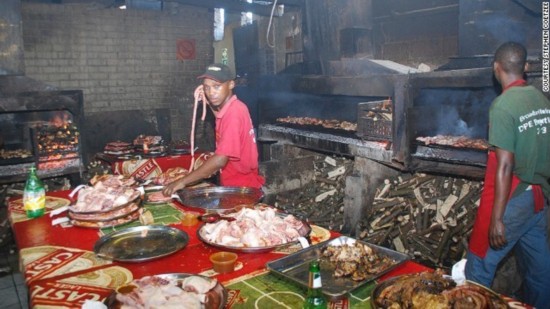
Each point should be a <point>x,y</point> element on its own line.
<point>503,28</point>
<point>449,123</point>
<point>454,111</point>
<point>281,104</point>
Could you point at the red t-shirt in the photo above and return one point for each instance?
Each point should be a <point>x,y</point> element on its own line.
<point>235,138</point>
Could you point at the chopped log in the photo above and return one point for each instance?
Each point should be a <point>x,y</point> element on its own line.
<point>426,216</point>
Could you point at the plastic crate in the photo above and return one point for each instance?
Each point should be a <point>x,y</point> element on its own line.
<point>371,123</point>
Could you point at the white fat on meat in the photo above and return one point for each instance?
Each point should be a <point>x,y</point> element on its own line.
<point>120,200</point>
<point>253,228</point>
<point>214,231</point>
<point>291,233</point>
<point>269,214</point>
<point>228,240</point>
<point>254,237</point>
<point>155,292</point>
<point>235,231</point>
<point>103,198</point>
<point>245,223</point>
<point>198,284</point>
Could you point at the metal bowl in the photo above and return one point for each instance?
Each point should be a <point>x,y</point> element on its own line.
<point>141,243</point>
<point>496,300</point>
<point>306,230</point>
<point>219,199</point>
<point>216,298</point>
<point>135,198</point>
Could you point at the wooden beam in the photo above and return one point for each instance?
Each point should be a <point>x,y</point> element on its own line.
<point>239,6</point>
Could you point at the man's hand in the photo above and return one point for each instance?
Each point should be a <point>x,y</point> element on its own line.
<point>497,236</point>
<point>173,187</point>
<point>199,93</point>
<point>503,184</point>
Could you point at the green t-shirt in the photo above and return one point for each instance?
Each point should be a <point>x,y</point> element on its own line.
<point>519,122</point>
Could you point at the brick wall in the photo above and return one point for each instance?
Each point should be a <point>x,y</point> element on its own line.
<point>121,59</point>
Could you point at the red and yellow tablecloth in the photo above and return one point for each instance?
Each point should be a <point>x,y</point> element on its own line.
<point>61,270</point>
<point>147,168</point>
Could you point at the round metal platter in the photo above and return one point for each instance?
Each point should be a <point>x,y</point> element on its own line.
<point>105,224</point>
<point>304,233</point>
<point>219,199</point>
<point>141,243</point>
<point>133,200</point>
<point>216,297</point>
<point>498,301</point>
<point>104,217</point>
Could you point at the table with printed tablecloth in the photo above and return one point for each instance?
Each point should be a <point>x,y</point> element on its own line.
<point>142,167</point>
<point>62,271</point>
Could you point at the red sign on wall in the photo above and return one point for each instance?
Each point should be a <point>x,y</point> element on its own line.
<point>185,49</point>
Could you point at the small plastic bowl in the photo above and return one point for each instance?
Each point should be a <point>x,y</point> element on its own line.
<point>190,218</point>
<point>223,262</point>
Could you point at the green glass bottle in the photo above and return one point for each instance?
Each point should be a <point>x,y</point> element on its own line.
<point>34,195</point>
<point>315,298</point>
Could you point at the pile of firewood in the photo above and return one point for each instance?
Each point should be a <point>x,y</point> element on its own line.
<point>428,217</point>
<point>321,201</point>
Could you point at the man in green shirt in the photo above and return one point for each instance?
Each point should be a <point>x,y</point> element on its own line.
<point>512,212</point>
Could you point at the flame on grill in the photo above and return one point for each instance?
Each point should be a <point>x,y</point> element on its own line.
<point>60,120</point>
<point>58,143</point>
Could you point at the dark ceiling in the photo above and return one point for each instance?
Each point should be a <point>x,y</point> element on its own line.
<point>259,7</point>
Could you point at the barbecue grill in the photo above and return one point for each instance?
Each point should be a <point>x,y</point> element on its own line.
<point>56,148</point>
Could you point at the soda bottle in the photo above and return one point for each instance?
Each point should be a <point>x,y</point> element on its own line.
<point>315,298</point>
<point>34,195</point>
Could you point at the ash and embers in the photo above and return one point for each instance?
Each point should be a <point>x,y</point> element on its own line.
<point>428,217</point>
<point>321,201</point>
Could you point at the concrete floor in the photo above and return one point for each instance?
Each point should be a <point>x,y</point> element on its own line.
<point>13,291</point>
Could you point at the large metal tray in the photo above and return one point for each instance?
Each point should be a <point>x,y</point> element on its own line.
<point>141,243</point>
<point>216,298</point>
<point>295,267</point>
<point>219,199</point>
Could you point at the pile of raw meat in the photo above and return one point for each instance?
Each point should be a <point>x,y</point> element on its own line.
<point>254,228</point>
<point>110,201</point>
<point>105,195</point>
<point>158,292</point>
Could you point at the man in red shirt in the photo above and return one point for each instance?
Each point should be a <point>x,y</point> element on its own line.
<point>236,155</point>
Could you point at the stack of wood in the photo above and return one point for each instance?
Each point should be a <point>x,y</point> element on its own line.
<point>428,217</point>
<point>321,201</point>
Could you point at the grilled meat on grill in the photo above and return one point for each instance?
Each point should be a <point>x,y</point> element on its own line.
<point>326,123</point>
<point>455,141</point>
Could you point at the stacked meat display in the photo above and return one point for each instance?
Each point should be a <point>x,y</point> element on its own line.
<point>109,202</point>
<point>118,148</point>
<point>149,144</point>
